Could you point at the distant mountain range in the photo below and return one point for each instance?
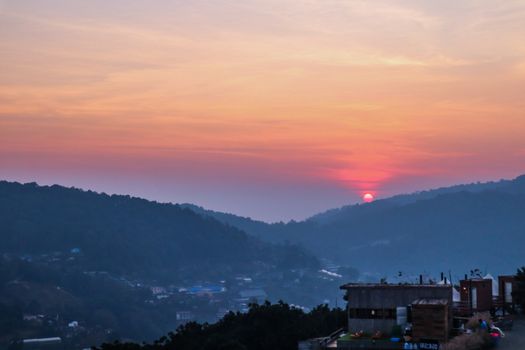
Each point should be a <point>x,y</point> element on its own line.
<point>458,228</point>
<point>95,258</point>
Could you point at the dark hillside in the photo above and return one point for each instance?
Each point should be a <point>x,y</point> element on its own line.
<point>129,235</point>
<point>480,225</point>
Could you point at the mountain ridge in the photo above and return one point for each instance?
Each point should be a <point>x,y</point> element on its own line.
<point>122,231</point>
<point>467,216</point>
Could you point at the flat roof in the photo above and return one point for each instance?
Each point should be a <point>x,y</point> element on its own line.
<point>42,340</point>
<point>424,301</point>
<point>391,286</point>
<point>476,280</point>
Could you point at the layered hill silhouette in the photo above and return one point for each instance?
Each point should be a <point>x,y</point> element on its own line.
<point>132,236</point>
<point>72,255</point>
<point>456,228</point>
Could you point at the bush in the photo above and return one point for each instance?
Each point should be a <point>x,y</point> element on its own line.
<point>266,326</point>
<point>473,341</point>
<point>473,322</point>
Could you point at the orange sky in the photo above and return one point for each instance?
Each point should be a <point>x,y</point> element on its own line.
<point>274,109</point>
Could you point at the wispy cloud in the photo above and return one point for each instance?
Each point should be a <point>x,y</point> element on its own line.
<point>357,94</point>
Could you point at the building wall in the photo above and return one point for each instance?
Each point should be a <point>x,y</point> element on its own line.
<point>431,322</point>
<point>483,293</point>
<point>392,296</point>
<point>387,297</point>
<point>503,285</point>
<point>370,325</point>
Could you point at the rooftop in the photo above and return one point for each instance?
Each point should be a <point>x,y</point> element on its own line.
<point>430,302</point>
<point>43,340</point>
<point>391,286</point>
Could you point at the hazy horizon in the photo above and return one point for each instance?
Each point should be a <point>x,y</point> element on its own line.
<point>389,124</point>
<point>270,109</point>
<point>358,201</point>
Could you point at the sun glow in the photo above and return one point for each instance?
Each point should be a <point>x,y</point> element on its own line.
<point>368,197</point>
<point>194,100</point>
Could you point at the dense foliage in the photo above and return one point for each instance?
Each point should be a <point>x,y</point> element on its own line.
<point>413,233</point>
<point>71,255</point>
<point>127,235</point>
<point>266,326</point>
<point>61,294</point>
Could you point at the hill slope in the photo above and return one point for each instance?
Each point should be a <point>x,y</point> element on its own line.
<point>460,227</point>
<point>122,267</point>
<point>130,235</point>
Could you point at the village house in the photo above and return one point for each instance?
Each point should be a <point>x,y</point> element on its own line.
<point>380,307</point>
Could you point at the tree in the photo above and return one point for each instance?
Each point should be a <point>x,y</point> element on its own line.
<point>266,326</point>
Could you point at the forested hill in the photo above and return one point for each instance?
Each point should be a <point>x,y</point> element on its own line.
<point>462,227</point>
<point>275,232</point>
<point>515,186</point>
<point>128,268</point>
<point>131,236</point>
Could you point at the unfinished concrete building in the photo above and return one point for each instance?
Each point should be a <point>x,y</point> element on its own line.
<point>380,307</point>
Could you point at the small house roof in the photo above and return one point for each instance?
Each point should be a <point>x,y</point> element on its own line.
<point>495,288</point>
<point>391,286</point>
<point>425,301</point>
<point>42,340</point>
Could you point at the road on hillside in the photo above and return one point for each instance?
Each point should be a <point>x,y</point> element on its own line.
<point>515,339</point>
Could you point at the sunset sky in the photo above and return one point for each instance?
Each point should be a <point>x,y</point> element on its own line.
<point>274,109</point>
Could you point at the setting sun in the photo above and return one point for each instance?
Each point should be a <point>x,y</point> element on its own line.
<point>368,197</point>
<point>218,171</point>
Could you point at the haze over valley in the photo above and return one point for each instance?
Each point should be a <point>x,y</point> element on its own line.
<point>132,268</point>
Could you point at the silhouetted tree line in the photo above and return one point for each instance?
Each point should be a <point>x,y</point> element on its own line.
<point>132,236</point>
<point>267,326</point>
<point>412,223</point>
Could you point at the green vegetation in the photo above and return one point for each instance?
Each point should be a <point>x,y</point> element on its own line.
<point>263,327</point>
<point>133,236</point>
<point>399,231</point>
<point>70,255</point>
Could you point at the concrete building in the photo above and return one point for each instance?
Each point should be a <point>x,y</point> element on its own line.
<point>41,343</point>
<point>476,294</point>
<point>185,316</point>
<point>379,307</point>
<point>507,287</point>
